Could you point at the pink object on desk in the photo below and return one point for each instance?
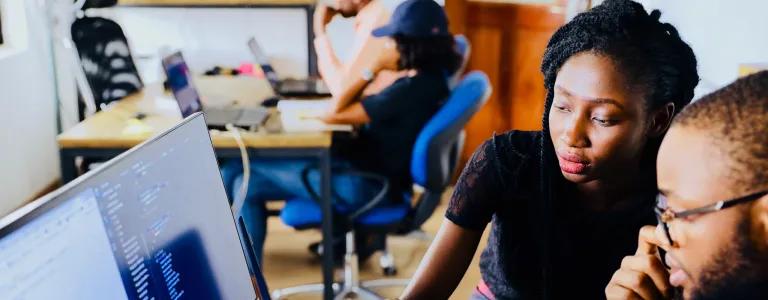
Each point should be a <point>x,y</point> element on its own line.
<point>249,69</point>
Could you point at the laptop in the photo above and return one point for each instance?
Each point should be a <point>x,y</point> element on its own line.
<point>180,81</point>
<point>153,223</point>
<point>287,87</point>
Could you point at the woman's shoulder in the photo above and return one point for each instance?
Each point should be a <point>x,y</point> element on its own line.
<point>512,155</point>
<point>520,141</point>
<point>514,146</point>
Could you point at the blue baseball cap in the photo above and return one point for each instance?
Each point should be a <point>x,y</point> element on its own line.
<point>416,18</point>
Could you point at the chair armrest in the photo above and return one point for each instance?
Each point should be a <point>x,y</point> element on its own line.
<point>377,199</point>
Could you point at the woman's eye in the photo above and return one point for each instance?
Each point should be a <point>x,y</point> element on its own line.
<point>561,108</point>
<point>603,122</point>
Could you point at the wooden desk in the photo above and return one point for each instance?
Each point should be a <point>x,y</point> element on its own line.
<point>114,130</point>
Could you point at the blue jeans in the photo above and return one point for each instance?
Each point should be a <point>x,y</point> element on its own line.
<point>280,179</point>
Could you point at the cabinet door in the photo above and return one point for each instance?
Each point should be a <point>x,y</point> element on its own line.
<point>508,41</point>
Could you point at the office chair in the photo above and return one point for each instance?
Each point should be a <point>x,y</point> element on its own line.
<point>464,48</point>
<point>102,53</point>
<point>434,160</point>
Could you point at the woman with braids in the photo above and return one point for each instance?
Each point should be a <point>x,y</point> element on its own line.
<point>566,203</point>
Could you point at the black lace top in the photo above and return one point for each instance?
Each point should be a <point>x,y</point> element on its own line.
<point>501,184</point>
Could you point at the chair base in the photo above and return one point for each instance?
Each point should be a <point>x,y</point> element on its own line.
<point>352,287</point>
<point>363,291</point>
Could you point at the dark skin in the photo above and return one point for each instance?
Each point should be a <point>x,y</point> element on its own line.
<point>595,120</point>
<point>687,183</point>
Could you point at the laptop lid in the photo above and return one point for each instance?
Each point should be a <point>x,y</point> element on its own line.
<point>153,223</point>
<point>180,82</point>
<point>263,60</point>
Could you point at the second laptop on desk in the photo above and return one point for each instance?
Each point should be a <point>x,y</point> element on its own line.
<point>188,98</point>
<point>287,87</point>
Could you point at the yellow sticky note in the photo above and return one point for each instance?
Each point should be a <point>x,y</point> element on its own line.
<point>136,127</point>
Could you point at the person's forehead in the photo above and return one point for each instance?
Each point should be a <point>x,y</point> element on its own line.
<point>691,170</point>
<point>589,75</point>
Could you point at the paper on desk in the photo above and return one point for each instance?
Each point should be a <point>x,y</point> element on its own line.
<point>303,116</point>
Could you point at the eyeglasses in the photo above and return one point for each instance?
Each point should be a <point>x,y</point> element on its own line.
<point>665,215</point>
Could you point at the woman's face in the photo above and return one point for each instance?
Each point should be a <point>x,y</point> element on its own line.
<point>597,124</point>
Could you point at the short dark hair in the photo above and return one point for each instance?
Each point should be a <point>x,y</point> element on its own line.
<point>436,53</point>
<point>736,119</point>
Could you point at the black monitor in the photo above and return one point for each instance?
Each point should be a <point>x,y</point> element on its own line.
<point>153,223</point>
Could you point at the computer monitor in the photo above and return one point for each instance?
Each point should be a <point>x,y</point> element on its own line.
<point>153,223</point>
<point>180,83</point>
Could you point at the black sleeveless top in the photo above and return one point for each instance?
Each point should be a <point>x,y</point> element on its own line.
<point>501,184</point>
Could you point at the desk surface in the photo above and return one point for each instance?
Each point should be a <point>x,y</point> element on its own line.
<point>193,3</point>
<point>116,126</point>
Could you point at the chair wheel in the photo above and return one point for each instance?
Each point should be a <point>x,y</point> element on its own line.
<point>390,271</point>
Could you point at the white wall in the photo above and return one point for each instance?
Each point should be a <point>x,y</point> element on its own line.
<point>218,36</point>
<point>28,150</point>
<point>722,33</point>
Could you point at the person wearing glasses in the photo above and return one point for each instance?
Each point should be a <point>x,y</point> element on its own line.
<point>566,202</point>
<point>712,237</point>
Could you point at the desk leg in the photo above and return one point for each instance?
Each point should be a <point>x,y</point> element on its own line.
<point>68,166</point>
<point>311,56</point>
<point>325,168</point>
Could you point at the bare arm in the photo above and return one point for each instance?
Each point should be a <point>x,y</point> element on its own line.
<point>340,76</point>
<point>341,101</point>
<point>444,264</point>
<point>354,115</point>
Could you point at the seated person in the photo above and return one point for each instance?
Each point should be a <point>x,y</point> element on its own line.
<point>566,202</point>
<point>391,120</point>
<point>368,14</point>
<point>713,204</point>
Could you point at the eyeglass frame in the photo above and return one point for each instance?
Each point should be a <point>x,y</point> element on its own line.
<point>666,215</point>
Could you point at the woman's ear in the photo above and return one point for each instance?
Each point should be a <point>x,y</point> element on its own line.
<point>661,118</point>
<point>760,217</point>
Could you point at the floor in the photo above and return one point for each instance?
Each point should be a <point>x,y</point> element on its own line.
<point>287,261</point>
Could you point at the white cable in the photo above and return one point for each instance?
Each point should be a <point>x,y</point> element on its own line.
<point>239,201</point>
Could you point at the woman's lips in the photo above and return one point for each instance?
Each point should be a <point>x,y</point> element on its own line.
<point>572,164</point>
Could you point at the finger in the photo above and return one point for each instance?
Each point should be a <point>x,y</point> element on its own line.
<point>652,267</point>
<point>638,282</point>
<point>659,232</point>
<point>647,242</point>
<point>617,292</point>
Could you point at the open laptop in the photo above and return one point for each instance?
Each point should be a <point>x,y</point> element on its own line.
<point>188,98</point>
<point>287,87</point>
<point>153,223</point>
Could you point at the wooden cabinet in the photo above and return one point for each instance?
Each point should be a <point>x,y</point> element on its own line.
<point>508,40</point>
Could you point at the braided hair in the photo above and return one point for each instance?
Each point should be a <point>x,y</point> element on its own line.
<point>662,67</point>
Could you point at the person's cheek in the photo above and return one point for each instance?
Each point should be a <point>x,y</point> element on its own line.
<point>554,127</point>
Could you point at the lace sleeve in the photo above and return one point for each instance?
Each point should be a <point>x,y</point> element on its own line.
<point>477,191</point>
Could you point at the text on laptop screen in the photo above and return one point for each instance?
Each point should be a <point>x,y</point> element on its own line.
<point>155,224</point>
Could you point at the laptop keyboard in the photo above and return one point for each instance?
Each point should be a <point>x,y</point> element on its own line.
<point>252,116</point>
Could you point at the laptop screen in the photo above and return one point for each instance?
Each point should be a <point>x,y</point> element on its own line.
<point>154,223</point>
<point>180,82</point>
<point>263,61</point>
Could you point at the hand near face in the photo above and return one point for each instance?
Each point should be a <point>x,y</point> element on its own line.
<point>641,276</point>
<point>387,58</point>
<point>323,15</point>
